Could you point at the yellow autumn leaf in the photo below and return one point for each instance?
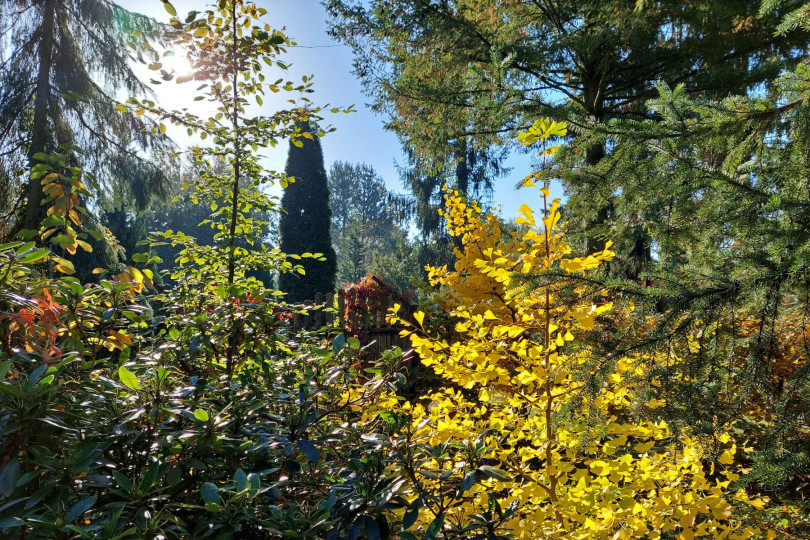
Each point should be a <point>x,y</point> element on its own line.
<point>727,458</point>
<point>528,217</point>
<point>643,447</point>
<point>120,336</point>
<point>63,265</point>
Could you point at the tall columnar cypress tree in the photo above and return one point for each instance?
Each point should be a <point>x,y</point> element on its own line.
<point>305,221</point>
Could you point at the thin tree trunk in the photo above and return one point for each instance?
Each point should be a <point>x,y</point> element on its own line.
<point>236,152</point>
<point>462,169</point>
<point>233,340</point>
<point>39,135</point>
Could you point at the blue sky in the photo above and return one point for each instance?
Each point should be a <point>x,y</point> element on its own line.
<point>360,136</point>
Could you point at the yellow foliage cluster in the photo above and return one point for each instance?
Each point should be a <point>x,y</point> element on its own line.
<point>514,442</point>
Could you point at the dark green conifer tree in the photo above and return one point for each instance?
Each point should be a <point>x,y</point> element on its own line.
<point>304,225</point>
<point>353,253</point>
<point>61,68</point>
<point>458,76</point>
<point>720,188</point>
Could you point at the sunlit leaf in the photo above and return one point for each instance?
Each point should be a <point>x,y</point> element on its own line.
<point>128,378</point>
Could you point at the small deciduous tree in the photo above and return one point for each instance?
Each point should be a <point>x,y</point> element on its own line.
<point>518,442</point>
<point>228,48</point>
<point>525,439</point>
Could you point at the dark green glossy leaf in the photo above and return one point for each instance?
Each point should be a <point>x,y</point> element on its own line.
<point>192,347</point>
<point>434,527</point>
<point>409,518</point>
<point>241,480</point>
<point>80,508</point>
<point>468,481</point>
<point>35,376</point>
<point>309,450</point>
<point>338,343</point>
<point>372,530</point>
<point>210,493</point>
<point>149,478</point>
<point>8,477</point>
<point>11,522</point>
<point>4,367</point>
<point>122,480</point>
<point>254,484</point>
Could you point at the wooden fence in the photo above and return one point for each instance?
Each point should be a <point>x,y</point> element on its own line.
<point>373,330</point>
<point>321,315</point>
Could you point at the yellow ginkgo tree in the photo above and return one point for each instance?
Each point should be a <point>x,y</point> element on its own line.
<point>519,441</point>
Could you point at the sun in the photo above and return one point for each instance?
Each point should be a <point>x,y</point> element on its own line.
<point>178,69</point>
<point>176,63</point>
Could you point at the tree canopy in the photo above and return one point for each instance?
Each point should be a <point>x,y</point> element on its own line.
<point>470,74</point>
<point>59,85</point>
<point>482,71</point>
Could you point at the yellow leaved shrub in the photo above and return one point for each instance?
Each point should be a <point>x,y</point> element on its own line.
<point>517,442</point>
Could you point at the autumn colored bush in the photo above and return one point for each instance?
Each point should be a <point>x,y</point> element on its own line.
<point>520,441</point>
<point>530,436</point>
<point>366,303</point>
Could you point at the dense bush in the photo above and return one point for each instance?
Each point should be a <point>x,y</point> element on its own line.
<point>531,436</point>
<point>193,411</point>
<point>120,423</point>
